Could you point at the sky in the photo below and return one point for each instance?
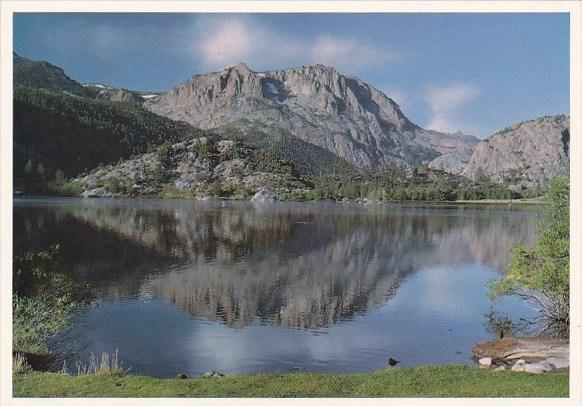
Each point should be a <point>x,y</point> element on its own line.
<point>475,73</point>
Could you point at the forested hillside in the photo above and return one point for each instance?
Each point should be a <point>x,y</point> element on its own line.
<point>59,132</point>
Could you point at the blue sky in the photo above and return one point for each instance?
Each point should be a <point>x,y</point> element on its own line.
<point>476,73</point>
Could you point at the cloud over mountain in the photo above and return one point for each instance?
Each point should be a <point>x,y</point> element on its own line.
<point>227,40</point>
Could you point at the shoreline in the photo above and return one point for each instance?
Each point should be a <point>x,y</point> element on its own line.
<point>424,381</point>
<point>443,380</point>
<point>534,201</point>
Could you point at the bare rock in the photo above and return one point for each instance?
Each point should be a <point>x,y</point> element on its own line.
<point>529,354</point>
<point>485,362</point>
<point>316,104</point>
<point>454,163</point>
<point>559,362</point>
<point>525,154</point>
<point>96,192</point>
<point>532,367</point>
<point>263,195</point>
<point>513,348</point>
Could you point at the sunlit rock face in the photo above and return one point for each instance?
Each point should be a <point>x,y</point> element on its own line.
<point>527,154</point>
<point>316,104</point>
<point>301,266</point>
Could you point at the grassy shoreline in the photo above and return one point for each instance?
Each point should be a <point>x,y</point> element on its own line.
<point>425,381</point>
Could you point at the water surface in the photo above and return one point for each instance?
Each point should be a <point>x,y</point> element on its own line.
<point>239,287</point>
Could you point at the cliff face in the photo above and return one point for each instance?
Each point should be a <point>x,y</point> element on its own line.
<point>316,104</point>
<point>526,154</point>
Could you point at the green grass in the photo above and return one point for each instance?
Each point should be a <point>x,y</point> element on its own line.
<point>427,381</point>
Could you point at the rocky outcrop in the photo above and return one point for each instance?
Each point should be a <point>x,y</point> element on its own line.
<point>527,354</point>
<point>318,105</point>
<point>524,155</point>
<point>454,163</point>
<point>196,168</point>
<point>263,195</point>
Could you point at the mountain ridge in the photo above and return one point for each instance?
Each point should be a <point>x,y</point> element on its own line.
<point>342,114</point>
<point>312,116</point>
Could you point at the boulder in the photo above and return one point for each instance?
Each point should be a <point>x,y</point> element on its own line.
<point>559,363</point>
<point>263,195</point>
<point>532,367</point>
<point>529,354</point>
<point>485,362</point>
<point>96,192</point>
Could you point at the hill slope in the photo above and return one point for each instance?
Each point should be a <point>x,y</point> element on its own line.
<point>75,134</point>
<point>199,168</point>
<point>43,75</point>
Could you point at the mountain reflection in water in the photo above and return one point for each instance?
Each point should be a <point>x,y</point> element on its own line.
<point>299,265</point>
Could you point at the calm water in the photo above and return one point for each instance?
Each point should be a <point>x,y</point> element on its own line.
<point>187,287</point>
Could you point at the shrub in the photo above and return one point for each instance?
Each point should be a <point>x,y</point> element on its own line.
<point>542,274</point>
<point>43,301</point>
<point>35,320</point>
<point>65,188</point>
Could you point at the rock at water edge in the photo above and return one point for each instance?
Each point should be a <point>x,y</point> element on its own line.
<point>263,195</point>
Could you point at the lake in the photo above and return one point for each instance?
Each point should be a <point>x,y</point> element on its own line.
<point>239,287</point>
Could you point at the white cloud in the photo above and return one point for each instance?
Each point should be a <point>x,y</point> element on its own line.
<point>231,42</point>
<point>224,41</point>
<point>445,103</point>
<point>348,53</point>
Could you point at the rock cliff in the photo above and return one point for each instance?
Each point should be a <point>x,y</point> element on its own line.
<point>318,105</point>
<point>526,154</point>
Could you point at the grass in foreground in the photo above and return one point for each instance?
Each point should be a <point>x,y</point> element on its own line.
<point>428,381</point>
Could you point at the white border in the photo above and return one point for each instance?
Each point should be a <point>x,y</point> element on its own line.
<point>7,7</point>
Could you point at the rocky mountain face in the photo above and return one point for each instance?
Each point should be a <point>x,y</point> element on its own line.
<point>318,105</point>
<point>524,155</point>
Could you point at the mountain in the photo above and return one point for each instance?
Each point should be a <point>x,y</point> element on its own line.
<point>524,155</point>
<point>317,105</point>
<point>43,75</point>
<point>312,117</point>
